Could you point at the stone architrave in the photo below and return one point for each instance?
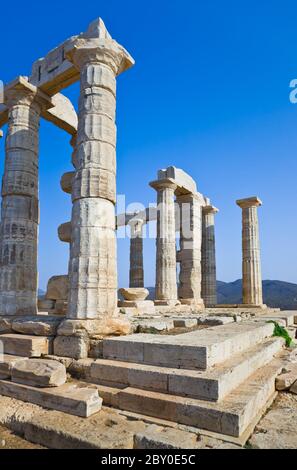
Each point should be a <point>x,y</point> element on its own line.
<point>208,264</point>
<point>189,256</point>
<point>136,273</point>
<point>166,282</point>
<point>92,265</point>
<point>251,262</point>
<point>20,203</point>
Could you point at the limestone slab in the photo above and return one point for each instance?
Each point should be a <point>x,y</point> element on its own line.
<point>211,385</point>
<point>198,349</point>
<point>77,399</point>
<point>155,437</point>
<point>26,345</point>
<point>39,373</point>
<point>6,364</point>
<point>38,325</point>
<point>231,416</point>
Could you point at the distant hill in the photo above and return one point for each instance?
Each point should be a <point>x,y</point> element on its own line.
<point>276,293</point>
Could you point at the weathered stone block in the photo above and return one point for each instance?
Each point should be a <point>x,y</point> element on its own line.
<point>57,288</point>
<point>39,373</point>
<point>39,326</point>
<point>71,346</point>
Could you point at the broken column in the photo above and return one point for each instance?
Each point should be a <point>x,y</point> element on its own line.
<point>251,263</point>
<point>92,267</point>
<point>136,273</point>
<point>166,283</point>
<point>189,291</point>
<point>20,204</point>
<point>209,277</point>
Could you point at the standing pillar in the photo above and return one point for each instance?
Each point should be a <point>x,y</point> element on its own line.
<point>166,283</point>
<point>251,263</point>
<point>208,264</point>
<point>136,273</point>
<point>93,263</point>
<point>189,291</point>
<point>20,204</point>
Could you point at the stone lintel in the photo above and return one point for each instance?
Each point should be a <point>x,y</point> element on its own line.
<point>61,113</point>
<point>249,202</point>
<point>54,72</point>
<point>147,215</point>
<point>185,182</point>
<point>209,209</point>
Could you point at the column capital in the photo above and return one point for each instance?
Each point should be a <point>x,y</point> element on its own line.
<point>167,183</point>
<point>209,209</point>
<point>97,45</point>
<point>20,91</point>
<point>253,201</point>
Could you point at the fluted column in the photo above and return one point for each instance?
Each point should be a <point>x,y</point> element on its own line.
<point>251,262</point>
<point>209,276</point>
<point>20,203</point>
<point>93,263</point>
<point>166,283</point>
<point>136,273</point>
<point>189,291</point>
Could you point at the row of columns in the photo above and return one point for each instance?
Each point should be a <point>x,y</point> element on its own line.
<point>196,278</point>
<point>92,264</point>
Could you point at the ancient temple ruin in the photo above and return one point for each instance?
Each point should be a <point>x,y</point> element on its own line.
<point>211,375</point>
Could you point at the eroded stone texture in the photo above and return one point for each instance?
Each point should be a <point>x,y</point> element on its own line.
<point>189,290</point>
<point>136,273</point>
<point>92,266</point>
<point>136,293</point>
<point>208,265</point>
<point>39,373</point>
<point>20,205</point>
<point>251,262</point>
<point>166,284</point>
<point>57,288</point>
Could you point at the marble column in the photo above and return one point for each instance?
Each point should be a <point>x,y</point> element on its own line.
<point>93,260</point>
<point>20,204</point>
<point>251,263</point>
<point>189,291</point>
<point>136,273</point>
<point>166,282</point>
<point>208,264</point>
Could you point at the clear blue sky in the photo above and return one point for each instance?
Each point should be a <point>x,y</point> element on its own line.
<point>209,93</point>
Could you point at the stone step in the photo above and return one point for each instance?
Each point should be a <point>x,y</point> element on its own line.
<point>198,349</point>
<point>25,345</point>
<point>77,398</point>
<point>213,384</point>
<point>233,416</point>
<point>7,361</point>
<point>285,317</point>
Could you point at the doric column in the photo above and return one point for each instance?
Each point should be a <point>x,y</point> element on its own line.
<point>20,205</point>
<point>251,263</point>
<point>136,273</point>
<point>189,291</point>
<point>166,284</point>
<point>93,263</point>
<point>208,264</point>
